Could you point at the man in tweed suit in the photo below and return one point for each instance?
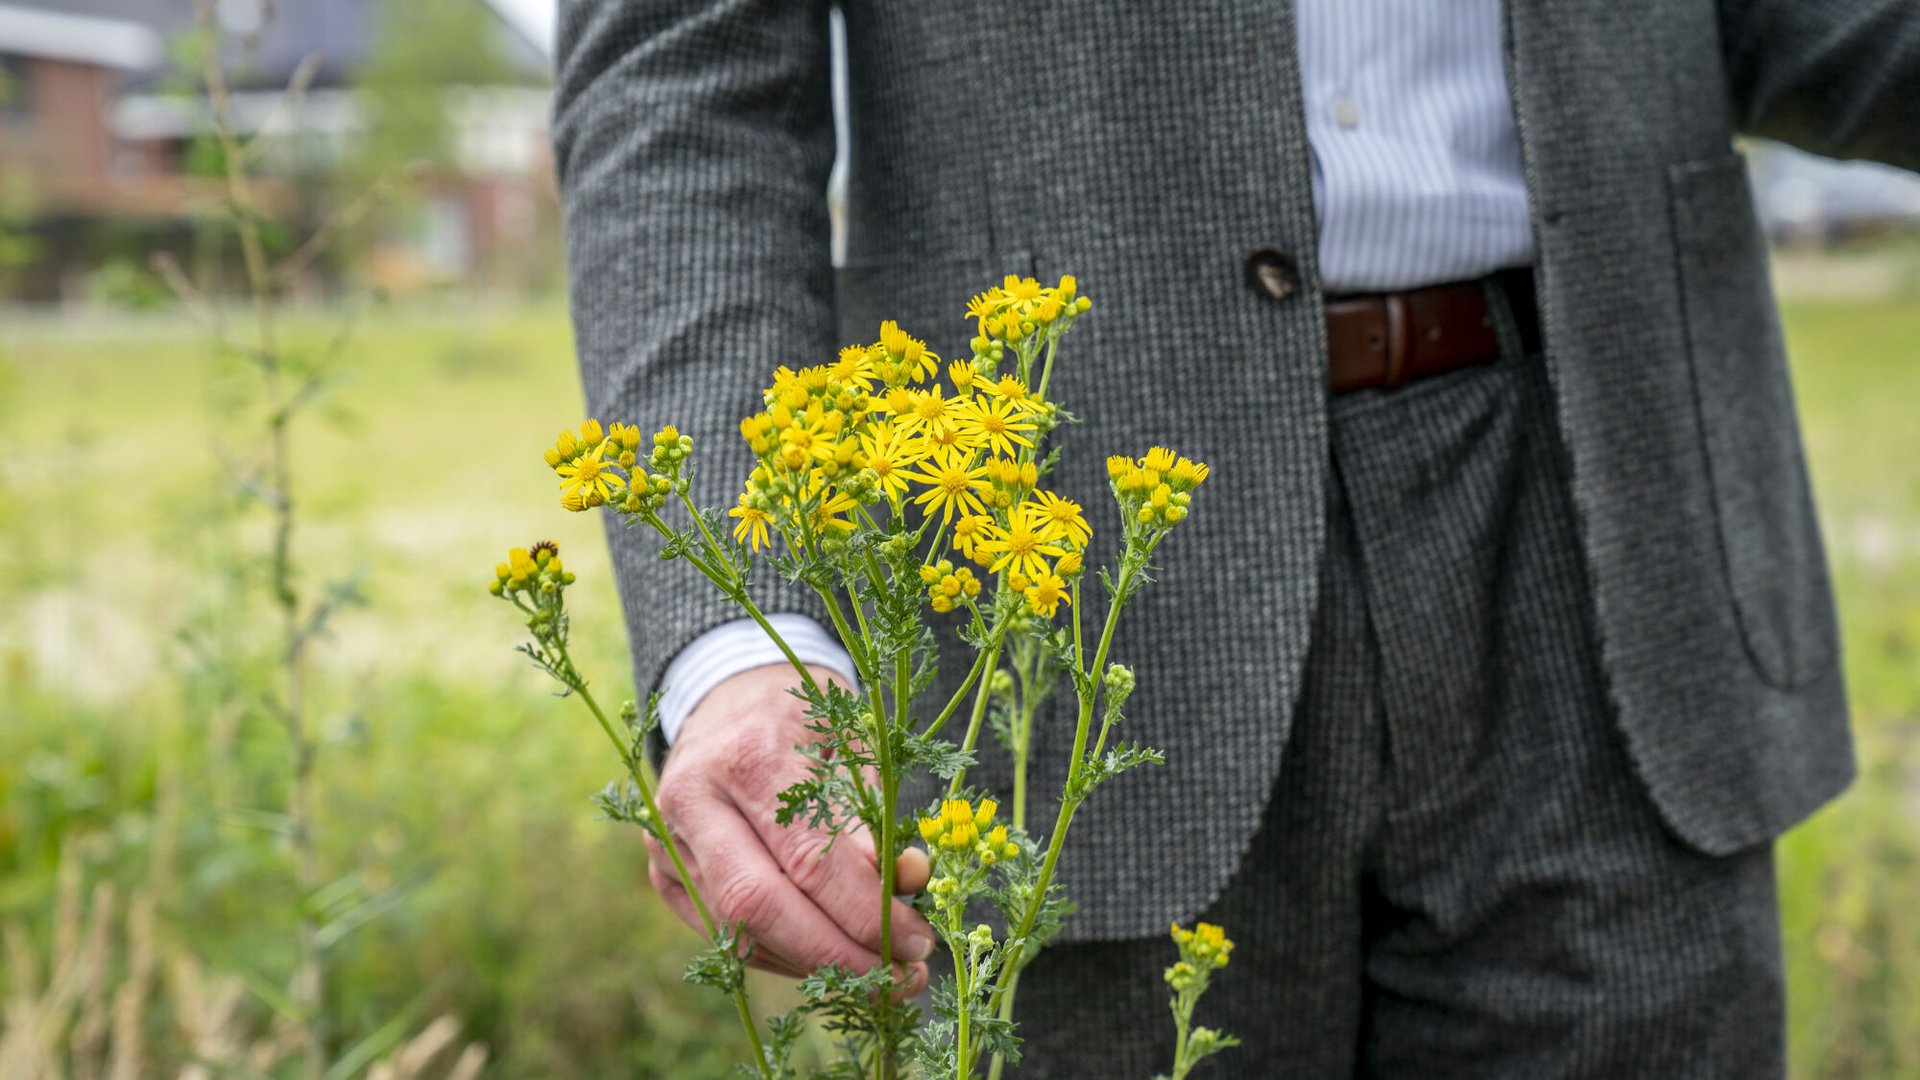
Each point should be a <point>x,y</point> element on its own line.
<point>1482,696</point>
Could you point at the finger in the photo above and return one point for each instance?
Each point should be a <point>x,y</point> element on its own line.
<point>916,981</point>
<point>911,871</point>
<point>674,895</point>
<point>659,864</point>
<point>768,961</point>
<point>748,887</point>
<point>841,878</point>
<point>665,882</point>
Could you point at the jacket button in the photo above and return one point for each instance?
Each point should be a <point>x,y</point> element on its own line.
<point>1272,272</point>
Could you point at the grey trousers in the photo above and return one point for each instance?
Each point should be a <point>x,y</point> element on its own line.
<point>1458,873</point>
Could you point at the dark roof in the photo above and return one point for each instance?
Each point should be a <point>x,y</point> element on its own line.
<point>341,31</point>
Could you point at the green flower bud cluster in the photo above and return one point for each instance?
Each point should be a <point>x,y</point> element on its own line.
<point>535,571</point>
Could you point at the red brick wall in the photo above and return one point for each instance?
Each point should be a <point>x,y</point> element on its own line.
<point>61,143</point>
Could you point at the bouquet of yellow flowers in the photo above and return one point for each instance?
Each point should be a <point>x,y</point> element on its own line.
<point>892,496</point>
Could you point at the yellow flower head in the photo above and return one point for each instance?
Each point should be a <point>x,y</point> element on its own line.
<point>828,504</point>
<point>1018,305</point>
<point>1045,595</point>
<point>1022,547</point>
<point>1156,490</point>
<point>997,424</point>
<point>926,413</point>
<point>853,367</point>
<point>953,485</point>
<point>960,827</point>
<point>1204,946</point>
<point>1008,388</point>
<point>751,526</point>
<point>588,480</point>
<point>1063,516</point>
<point>899,358</point>
<point>529,569</point>
<point>1186,475</point>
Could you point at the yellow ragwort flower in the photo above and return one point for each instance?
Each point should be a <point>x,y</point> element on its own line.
<point>853,367</point>
<point>1205,945</point>
<point>1061,514</point>
<point>968,531</point>
<point>751,528</point>
<point>1046,594</point>
<point>953,485</point>
<point>587,480</point>
<point>928,413</point>
<point>1022,547</point>
<point>828,504</point>
<point>997,424</point>
<point>899,358</point>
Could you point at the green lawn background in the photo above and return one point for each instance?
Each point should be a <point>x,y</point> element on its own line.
<point>446,762</point>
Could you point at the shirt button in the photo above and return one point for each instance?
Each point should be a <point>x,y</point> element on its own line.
<point>1272,272</point>
<point>1346,112</point>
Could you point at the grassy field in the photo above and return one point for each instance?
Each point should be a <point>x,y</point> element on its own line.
<point>449,771</point>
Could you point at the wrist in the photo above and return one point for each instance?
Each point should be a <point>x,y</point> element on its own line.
<point>759,696</point>
<point>739,646</point>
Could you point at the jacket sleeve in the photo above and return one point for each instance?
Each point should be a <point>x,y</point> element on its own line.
<point>692,143</point>
<point>1836,77</point>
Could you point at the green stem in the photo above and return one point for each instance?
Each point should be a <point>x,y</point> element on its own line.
<point>963,993</point>
<point>960,694</point>
<point>665,835</point>
<point>856,646</point>
<point>1046,369</point>
<point>1076,765</point>
<point>889,796</point>
<point>1183,1028</point>
<point>1006,1015</point>
<point>988,662</point>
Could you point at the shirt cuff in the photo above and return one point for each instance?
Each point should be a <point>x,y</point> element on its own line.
<point>731,648</point>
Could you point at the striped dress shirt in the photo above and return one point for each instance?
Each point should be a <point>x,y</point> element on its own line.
<point>1416,180</point>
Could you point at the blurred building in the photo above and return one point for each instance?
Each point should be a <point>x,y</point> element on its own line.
<point>98,134</point>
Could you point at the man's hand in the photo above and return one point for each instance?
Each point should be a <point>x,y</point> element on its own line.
<point>802,904</point>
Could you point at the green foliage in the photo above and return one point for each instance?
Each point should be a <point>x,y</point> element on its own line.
<point>536,928</point>
<point>424,48</point>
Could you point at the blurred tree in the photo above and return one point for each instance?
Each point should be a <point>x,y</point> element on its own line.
<point>423,49</point>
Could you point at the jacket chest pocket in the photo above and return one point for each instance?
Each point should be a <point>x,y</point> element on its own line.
<point>1769,534</point>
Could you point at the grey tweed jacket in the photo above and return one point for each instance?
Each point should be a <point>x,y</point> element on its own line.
<point>1148,149</point>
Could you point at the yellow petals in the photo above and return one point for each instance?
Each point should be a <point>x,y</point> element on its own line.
<point>751,526</point>
<point>1046,594</point>
<point>1021,306</point>
<point>1156,490</point>
<point>963,829</point>
<point>1204,946</point>
<point>588,480</point>
<point>953,485</point>
<point>1021,547</point>
<point>535,570</point>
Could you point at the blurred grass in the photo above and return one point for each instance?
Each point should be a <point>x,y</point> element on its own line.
<point>448,761</point>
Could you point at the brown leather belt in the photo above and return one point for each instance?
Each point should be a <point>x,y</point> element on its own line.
<point>1386,340</point>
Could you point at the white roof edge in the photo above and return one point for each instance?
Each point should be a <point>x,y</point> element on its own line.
<point>87,39</point>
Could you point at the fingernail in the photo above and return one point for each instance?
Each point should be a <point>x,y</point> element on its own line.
<point>916,947</point>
